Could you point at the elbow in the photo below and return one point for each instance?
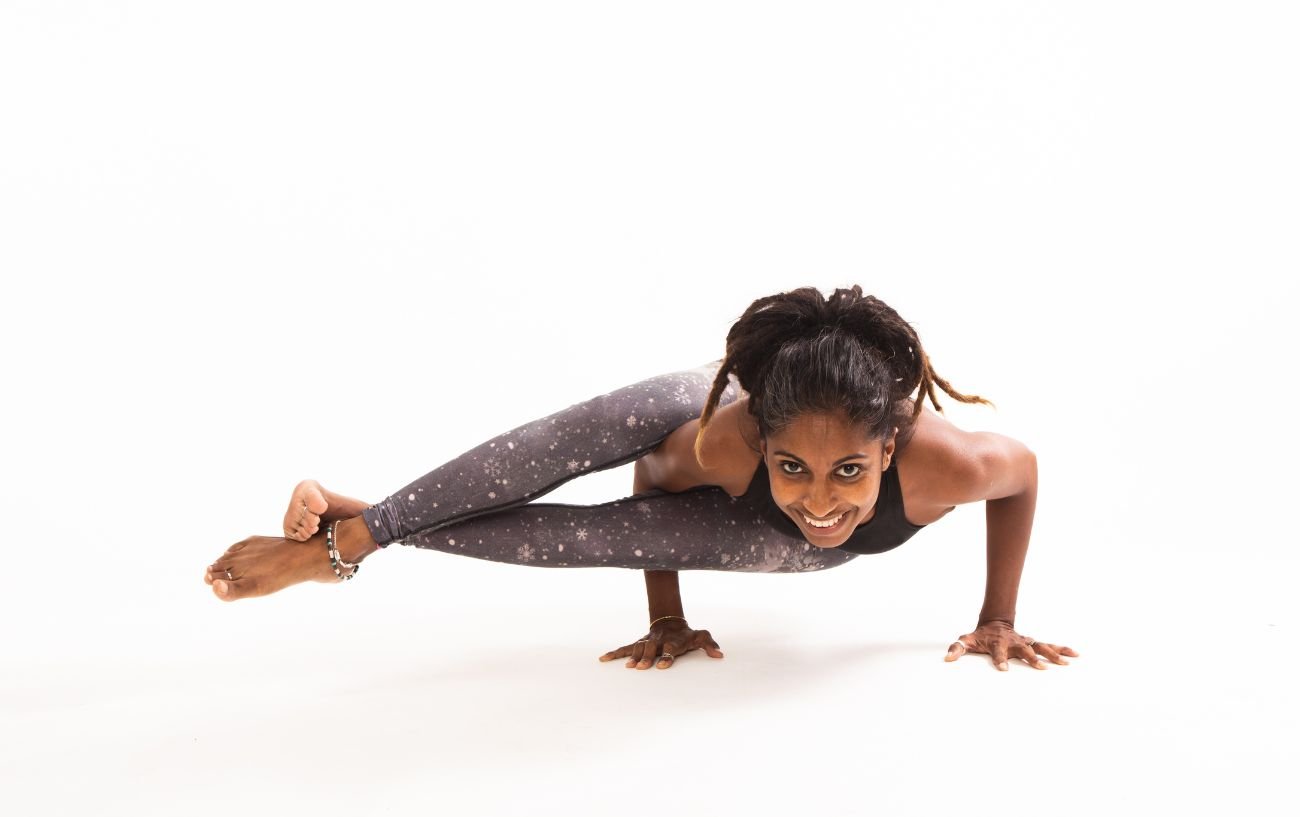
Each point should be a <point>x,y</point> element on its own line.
<point>1030,460</point>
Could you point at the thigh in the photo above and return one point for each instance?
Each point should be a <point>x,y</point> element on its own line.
<point>529,461</point>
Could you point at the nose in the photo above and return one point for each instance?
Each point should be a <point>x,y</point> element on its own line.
<point>821,500</point>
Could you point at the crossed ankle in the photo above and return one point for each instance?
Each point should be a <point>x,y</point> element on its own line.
<point>353,540</point>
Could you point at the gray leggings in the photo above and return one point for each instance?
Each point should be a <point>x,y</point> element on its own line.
<point>480,503</point>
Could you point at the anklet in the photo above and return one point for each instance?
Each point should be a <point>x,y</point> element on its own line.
<point>335,559</point>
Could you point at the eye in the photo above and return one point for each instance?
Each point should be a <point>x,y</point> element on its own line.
<point>857,469</point>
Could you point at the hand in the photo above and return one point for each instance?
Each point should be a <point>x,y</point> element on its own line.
<point>671,637</point>
<point>999,639</point>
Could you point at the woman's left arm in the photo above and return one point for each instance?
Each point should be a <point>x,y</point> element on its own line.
<point>1004,473</point>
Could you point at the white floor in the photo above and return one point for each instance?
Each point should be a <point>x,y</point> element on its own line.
<point>403,693</point>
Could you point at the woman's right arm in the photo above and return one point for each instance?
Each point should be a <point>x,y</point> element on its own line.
<point>671,636</point>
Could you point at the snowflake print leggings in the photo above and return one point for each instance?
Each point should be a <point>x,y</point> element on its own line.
<point>480,503</point>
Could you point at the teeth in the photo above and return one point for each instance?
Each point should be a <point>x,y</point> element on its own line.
<point>829,524</point>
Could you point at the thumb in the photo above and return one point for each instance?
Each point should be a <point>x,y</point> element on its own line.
<point>957,650</point>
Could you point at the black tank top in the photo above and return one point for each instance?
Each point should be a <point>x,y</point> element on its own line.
<point>885,530</point>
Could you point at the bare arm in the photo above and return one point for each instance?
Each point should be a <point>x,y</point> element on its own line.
<point>1012,480</point>
<point>670,637</point>
<point>661,586</point>
<point>1004,474</point>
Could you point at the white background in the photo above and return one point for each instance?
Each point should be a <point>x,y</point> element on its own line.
<point>251,242</point>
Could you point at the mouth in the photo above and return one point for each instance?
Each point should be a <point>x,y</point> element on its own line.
<point>828,527</point>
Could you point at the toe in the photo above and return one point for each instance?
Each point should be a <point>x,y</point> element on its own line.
<point>305,528</point>
<point>229,590</point>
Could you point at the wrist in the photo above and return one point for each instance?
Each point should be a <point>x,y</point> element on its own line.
<point>670,619</point>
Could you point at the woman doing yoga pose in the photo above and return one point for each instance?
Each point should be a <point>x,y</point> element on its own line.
<point>799,450</point>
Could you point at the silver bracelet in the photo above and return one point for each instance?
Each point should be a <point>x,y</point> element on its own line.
<point>336,561</point>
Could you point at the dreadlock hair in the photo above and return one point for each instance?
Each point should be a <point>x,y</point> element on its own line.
<point>797,352</point>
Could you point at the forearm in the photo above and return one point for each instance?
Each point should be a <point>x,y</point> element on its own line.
<point>661,587</point>
<point>1010,521</point>
<point>663,594</point>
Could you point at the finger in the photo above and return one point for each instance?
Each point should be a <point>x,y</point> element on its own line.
<point>648,657</point>
<point>956,650</point>
<point>1030,657</point>
<point>670,652</point>
<point>1000,654</point>
<point>638,652</point>
<point>703,641</point>
<point>622,651</point>
<point>1060,650</point>
<point>1049,652</point>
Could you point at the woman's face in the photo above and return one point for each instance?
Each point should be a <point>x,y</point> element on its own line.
<point>821,466</point>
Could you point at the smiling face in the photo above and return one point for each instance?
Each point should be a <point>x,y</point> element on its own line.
<point>822,469</point>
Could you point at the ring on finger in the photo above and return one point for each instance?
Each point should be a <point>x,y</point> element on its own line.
<point>228,576</point>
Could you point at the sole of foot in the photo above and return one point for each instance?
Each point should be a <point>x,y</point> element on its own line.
<point>311,505</point>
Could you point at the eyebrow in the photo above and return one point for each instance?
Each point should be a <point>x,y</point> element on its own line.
<point>837,462</point>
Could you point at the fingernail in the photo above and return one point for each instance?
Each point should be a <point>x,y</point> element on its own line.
<point>1002,666</point>
<point>220,586</point>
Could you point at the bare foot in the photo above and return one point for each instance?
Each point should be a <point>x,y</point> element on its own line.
<point>261,565</point>
<point>312,504</point>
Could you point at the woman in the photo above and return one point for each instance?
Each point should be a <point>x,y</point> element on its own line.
<point>815,452</point>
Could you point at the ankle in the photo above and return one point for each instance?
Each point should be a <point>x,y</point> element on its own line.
<point>353,540</point>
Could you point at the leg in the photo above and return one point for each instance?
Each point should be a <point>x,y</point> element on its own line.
<point>478,504</point>
<point>527,462</point>
<point>700,529</point>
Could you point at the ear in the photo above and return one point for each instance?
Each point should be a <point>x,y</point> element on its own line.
<point>887,450</point>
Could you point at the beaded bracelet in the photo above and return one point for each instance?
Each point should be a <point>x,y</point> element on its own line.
<point>661,618</point>
<point>335,559</point>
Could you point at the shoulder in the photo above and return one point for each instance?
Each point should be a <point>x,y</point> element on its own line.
<point>944,465</point>
<point>727,450</point>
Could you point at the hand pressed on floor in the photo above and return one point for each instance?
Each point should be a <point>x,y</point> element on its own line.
<point>999,640</point>
<point>666,640</point>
